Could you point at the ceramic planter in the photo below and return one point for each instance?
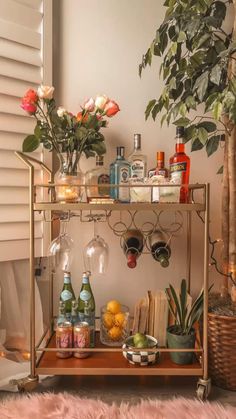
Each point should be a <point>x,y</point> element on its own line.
<point>175,341</point>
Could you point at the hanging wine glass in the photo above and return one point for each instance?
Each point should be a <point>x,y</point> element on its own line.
<point>61,250</point>
<point>96,254</point>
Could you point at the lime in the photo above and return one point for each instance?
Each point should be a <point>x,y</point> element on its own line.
<point>139,337</point>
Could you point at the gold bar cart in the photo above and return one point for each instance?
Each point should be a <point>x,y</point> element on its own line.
<point>109,361</point>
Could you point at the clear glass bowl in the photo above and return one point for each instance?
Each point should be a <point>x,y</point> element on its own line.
<point>114,328</point>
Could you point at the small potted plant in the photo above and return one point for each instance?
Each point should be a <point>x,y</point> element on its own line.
<point>182,335</point>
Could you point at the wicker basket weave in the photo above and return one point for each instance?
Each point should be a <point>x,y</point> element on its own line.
<point>222,350</point>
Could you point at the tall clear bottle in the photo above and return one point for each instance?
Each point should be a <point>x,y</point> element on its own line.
<point>138,161</point>
<point>99,176</point>
<point>120,174</point>
<point>67,294</point>
<point>86,306</point>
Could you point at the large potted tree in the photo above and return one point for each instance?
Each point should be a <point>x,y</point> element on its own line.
<point>199,71</point>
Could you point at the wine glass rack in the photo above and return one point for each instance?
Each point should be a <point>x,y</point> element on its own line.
<point>106,360</point>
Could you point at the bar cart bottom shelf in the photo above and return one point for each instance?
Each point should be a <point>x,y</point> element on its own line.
<point>109,363</point>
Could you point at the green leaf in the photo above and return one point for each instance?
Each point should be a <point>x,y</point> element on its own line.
<point>197,145</point>
<point>182,37</point>
<point>212,145</point>
<point>99,148</point>
<point>201,85</point>
<point>190,133</point>
<point>219,10</point>
<point>163,119</point>
<point>30,143</point>
<point>177,305</point>
<point>37,131</point>
<point>208,125</point>
<point>215,74</point>
<point>182,122</point>
<point>217,110</point>
<point>155,111</point>
<point>149,108</point>
<point>220,171</point>
<point>183,109</point>
<point>190,102</point>
<point>210,101</point>
<point>202,135</point>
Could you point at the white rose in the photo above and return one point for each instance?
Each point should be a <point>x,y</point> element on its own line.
<point>100,101</point>
<point>61,111</point>
<point>45,92</point>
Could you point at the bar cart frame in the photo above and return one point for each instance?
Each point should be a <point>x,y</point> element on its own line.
<point>106,360</point>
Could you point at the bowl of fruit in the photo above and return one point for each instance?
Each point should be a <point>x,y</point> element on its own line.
<point>142,342</point>
<point>114,323</point>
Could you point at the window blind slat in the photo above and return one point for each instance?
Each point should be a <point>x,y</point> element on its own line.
<point>12,11</point>
<point>9,214</point>
<point>18,52</point>
<point>17,33</point>
<point>19,249</point>
<point>18,231</point>
<point>13,87</point>
<point>14,123</point>
<point>14,196</point>
<point>8,160</point>
<point>34,4</point>
<point>11,105</point>
<point>11,141</point>
<point>17,177</point>
<point>20,71</point>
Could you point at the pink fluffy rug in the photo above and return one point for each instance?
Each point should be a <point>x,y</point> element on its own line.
<point>66,406</point>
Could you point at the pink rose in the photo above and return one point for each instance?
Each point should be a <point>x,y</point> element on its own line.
<point>28,106</point>
<point>89,105</point>
<point>111,108</point>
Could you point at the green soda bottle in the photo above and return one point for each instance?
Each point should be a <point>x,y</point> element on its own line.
<point>86,306</point>
<point>67,294</point>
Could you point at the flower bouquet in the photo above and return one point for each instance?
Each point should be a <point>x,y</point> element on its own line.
<point>67,134</point>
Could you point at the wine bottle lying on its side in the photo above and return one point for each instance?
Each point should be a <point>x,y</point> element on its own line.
<point>133,246</point>
<point>160,249</point>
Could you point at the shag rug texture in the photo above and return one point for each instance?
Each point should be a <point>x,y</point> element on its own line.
<point>66,406</point>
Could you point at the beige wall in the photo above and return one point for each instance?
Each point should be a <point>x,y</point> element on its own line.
<point>97,50</point>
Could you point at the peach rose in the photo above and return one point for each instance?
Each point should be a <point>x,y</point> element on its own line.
<point>101,101</point>
<point>89,105</point>
<point>45,92</point>
<point>82,118</point>
<point>61,111</point>
<point>111,108</point>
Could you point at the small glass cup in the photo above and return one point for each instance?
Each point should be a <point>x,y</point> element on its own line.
<point>115,328</point>
<point>142,193</point>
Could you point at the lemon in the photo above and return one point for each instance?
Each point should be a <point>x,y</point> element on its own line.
<point>119,319</point>
<point>108,320</point>
<point>115,333</point>
<point>113,306</point>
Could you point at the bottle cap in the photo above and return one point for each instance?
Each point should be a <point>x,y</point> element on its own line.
<point>120,151</point>
<point>67,274</point>
<point>131,260</point>
<point>160,156</point>
<point>99,160</point>
<point>164,262</point>
<point>137,141</point>
<point>179,131</point>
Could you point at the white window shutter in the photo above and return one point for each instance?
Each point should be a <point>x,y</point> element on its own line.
<point>25,62</point>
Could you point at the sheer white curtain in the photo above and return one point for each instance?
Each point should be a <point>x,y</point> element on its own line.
<point>15,303</point>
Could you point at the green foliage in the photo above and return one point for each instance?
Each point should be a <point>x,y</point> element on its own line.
<point>196,52</point>
<point>185,317</point>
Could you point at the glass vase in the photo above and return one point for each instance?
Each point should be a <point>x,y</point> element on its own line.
<point>70,179</point>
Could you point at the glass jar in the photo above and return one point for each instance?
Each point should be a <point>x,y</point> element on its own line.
<point>70,175</point>
<point>114,328</point>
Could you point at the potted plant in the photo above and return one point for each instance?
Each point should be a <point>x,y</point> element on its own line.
<point>68,135</point>
<point>182,335</point>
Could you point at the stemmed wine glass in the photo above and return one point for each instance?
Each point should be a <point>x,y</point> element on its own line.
<point>61,249</point>
<point>96,253</point>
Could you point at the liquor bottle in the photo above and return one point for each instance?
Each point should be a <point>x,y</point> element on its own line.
<point>180,165</point>
<point>74,312</point>
<point>86,306</point>
<point>67,294</point>
<point>160,170</point>
<point>138,161</point>
<point>160,248</point>
<point>99,176</point>
<point>119,175</point>
<point>133,245</point>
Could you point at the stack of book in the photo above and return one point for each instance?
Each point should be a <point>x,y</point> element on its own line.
<point>152,315</point>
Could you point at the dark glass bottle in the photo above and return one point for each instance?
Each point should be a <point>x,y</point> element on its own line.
<point>133,246</point>
<point>180,165</point>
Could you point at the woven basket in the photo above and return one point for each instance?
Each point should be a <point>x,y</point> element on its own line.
<point>222,350</point>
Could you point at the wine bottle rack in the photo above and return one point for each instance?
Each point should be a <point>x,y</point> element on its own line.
<point>104,360</point>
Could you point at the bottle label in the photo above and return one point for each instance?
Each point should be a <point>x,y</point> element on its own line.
<point>103,179</point>
<point>66,295</point>
<point>85,295</point>
<point>123,179</point>
<point>177,171</point>
<point>67,280</point>
<point>137,168</point>
<point>85,280</point>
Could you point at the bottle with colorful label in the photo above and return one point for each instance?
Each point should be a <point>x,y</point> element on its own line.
<point>120,175</point>
<point>98,178</point>
<point>67,294</point>
<point>86,306</point>
<point>180,165</point>
<point>138,161</point>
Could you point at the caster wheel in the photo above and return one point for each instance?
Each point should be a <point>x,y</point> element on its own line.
<point>26,384</point>
<point>201,392</point>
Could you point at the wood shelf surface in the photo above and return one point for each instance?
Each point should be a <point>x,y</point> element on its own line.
<point>110,363</point>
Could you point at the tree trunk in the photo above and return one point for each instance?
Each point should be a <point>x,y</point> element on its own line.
<point>232,201</point>
<point>225,222</point>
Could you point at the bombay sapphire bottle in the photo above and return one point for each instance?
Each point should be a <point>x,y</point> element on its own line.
<point>119,175</point>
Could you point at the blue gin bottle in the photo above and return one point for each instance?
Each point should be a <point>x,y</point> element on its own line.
<point>120,174</point>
